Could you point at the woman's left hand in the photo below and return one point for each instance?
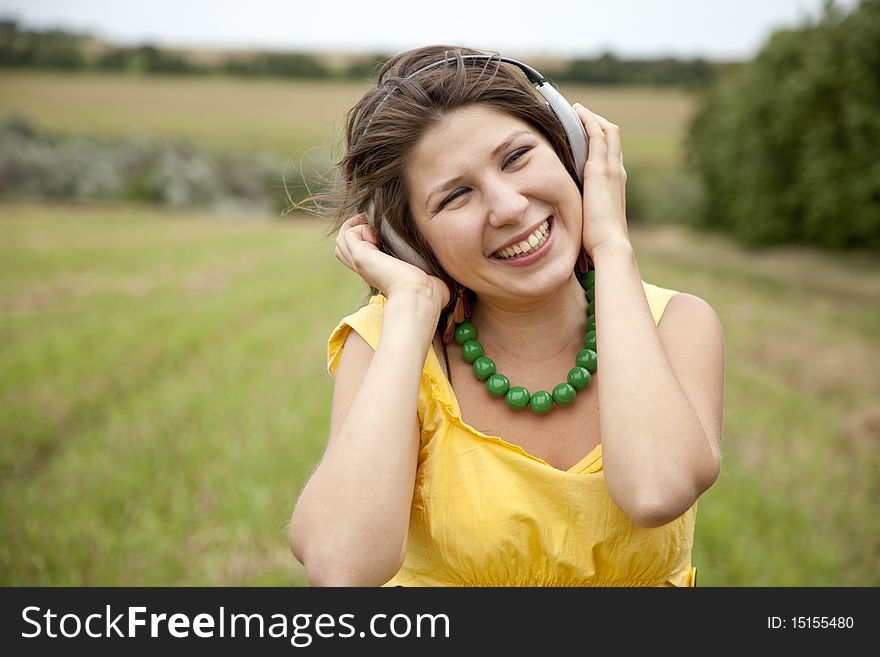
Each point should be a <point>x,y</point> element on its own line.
<point>604,182</point>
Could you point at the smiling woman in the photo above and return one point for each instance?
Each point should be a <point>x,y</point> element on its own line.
<point>508,202</point>
<point>476,219</point>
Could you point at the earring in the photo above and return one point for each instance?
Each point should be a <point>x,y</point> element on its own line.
<point>460,312</point>
<point>583,263</point>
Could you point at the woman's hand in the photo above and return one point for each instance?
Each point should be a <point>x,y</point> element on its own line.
<point>357,247</point>
<point>604,182</point>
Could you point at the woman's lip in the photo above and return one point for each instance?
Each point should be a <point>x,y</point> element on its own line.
<point>524,236</point>
<point>531,256</point>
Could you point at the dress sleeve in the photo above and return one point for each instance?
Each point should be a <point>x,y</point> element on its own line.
<point>657,298</point>
<point>367,321</point>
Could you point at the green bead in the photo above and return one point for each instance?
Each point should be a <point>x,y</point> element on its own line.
<point>590,340</point>
<point>591,293</point>
<point>471,350</point>
<point>517,398</point>
<point>484,367</point>
<point>588,280</point>
<point>465,331</point>
<point>564,394</point>
<point>579,377</point>
<point>587,358</point>
<point>591,309</point>
<point>541,402</point>
<point>591,323</point>
<point>497,385</point>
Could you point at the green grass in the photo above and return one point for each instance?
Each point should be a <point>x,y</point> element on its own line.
<point>797,501</point>
<point>286,117</point>
<point>218,114</point>
<point>301,121</point>
<point>164,396</point>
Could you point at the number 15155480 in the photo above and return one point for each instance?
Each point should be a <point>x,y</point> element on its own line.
<point>810,622</point>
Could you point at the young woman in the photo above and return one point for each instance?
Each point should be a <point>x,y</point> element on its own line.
<point>567,437</point>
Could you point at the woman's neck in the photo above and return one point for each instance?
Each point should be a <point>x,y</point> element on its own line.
<point>535,331</point>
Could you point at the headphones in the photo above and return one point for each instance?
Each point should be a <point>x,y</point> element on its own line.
<point>571,123</point>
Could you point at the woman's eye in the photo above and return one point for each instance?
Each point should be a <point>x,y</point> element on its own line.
<point>449,199</point>
<point>513,157</point>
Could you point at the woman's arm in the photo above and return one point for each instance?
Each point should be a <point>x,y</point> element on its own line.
<point>661,392</point>
<point>349,526</point>
<point>661,387</point>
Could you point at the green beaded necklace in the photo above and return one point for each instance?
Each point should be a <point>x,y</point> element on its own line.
<point>518,397</point>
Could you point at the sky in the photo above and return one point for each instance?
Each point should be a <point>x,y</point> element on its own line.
<point>712,29</point>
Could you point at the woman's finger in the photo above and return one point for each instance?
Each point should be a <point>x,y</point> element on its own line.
<point>351,222</point>
<point>359,233</point>
<point>338,253</point>
<point>612,139</point>
<point>342,237</point>
<point>341,247</point>
<point>357,220</point>
<point>360,226</point>
<point>368,234</point>
<point>355,242</point>
<point>598,148</point>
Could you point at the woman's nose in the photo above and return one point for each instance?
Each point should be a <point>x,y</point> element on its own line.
<point>507,204</point>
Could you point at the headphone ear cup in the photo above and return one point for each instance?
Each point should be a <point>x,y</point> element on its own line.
<point>571,123</point>
<point>394,243</point>
<point>403,251</point>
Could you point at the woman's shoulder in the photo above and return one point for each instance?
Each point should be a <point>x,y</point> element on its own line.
<point>690,313</point>
<point>678,306</point>
<point>366,321</point>
<point>691,330</point>
<point>658,298</point>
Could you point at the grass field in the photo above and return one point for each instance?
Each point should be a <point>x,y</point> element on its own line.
<point>164,396</point>
<point>287,118</point>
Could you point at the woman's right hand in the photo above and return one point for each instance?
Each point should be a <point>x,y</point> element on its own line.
<point>357,247</point>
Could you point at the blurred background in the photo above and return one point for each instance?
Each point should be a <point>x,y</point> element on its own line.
<point>163,316</point>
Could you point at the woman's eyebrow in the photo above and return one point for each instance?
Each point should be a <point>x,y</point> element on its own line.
<point>439,188</point>
<point>506,143</point>
<point>454,181</point>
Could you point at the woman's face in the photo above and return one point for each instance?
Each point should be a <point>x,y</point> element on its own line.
<point>496,204</point>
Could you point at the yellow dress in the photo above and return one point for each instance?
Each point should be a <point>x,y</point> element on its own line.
<point>487,513</point>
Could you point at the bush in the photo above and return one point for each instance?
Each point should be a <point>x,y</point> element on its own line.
<point>787,146</point>
<point>40,165</point>
<point>611,70</point>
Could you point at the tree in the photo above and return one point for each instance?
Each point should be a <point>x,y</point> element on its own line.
<point>788,146</point>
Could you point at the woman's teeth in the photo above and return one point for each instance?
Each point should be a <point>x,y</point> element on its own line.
<point>532,242</point>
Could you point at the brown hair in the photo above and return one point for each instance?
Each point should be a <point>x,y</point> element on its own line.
<point>384,126</point>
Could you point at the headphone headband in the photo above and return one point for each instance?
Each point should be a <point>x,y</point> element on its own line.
<point>533,76</point>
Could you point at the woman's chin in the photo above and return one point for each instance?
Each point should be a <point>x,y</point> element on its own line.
<point>544,282</point>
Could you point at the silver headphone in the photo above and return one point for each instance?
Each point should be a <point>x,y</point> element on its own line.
<point>571,123</point>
